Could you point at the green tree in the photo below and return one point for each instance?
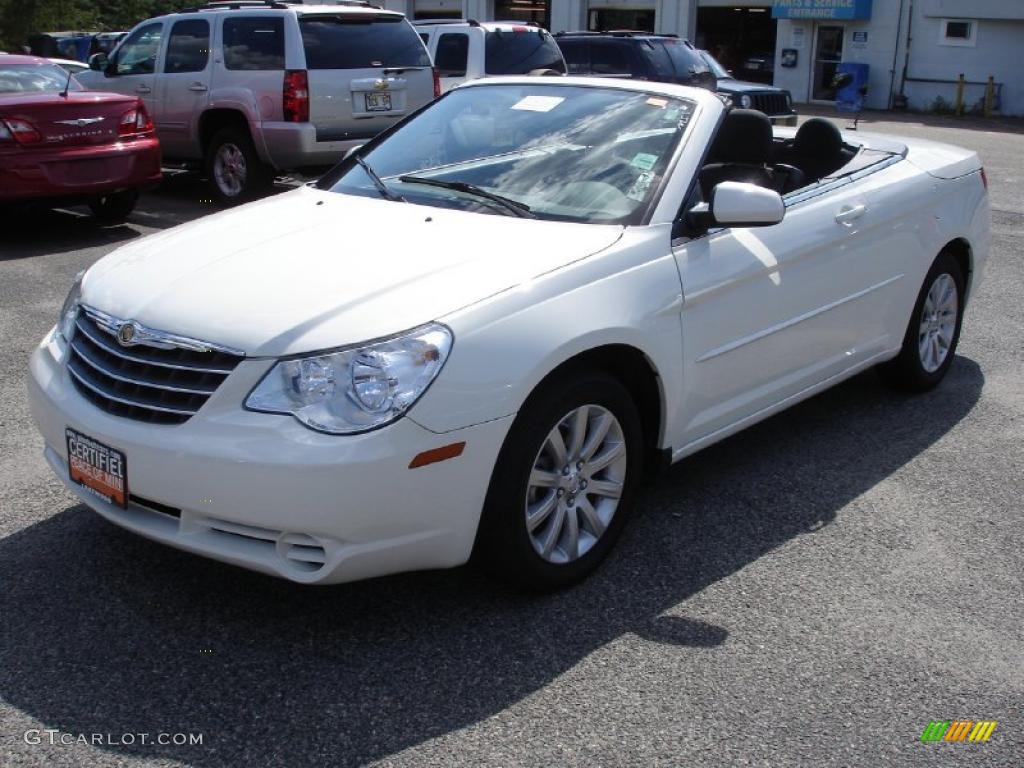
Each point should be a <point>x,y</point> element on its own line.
<point>21,18</point>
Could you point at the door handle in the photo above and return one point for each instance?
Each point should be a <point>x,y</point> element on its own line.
<point>849,214</point>
<point>143,89</point>
<point>197,87</point>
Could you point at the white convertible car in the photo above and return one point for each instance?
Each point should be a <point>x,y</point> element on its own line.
<point>477,333</point>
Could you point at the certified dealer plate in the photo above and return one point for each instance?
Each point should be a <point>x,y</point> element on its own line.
<point>97,467</point>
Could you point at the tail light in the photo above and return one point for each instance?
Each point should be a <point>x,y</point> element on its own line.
<point>437,82</point>
<point>984,179</point>
<point>134,122</point>
<point>22,131</point>
<point>295,99</point>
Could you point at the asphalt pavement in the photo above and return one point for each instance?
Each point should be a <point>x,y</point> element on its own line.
<point>810,592</point>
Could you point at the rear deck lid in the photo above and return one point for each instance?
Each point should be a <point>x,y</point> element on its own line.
<point>80,119</point>
<point>365,71</point>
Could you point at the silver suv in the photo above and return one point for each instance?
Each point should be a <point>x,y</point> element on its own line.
<point>248,89</point>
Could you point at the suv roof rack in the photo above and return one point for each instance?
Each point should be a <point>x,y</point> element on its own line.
<point>234,5</point>
<point>438,22</point>
<point>616,33</point>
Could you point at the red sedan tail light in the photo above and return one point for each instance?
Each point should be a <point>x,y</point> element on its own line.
<point>21,131</point>
<point>135,122</point>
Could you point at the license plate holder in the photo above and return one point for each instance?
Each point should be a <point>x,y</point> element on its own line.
<point>97,467</point>
<point>378,102</point>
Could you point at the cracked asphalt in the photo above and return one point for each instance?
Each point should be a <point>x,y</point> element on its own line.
<point>810,592</point>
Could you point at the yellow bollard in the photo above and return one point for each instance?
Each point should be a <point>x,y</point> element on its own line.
<point>990,95</point>
<point>960,94</point>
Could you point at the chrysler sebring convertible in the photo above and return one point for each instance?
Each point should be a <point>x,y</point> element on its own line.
<point>479,332</point>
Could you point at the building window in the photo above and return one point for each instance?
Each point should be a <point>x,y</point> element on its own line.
<point>957,32</point>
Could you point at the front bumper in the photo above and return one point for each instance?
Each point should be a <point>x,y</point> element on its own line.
<point>263,492</point>
<point>79,171</point>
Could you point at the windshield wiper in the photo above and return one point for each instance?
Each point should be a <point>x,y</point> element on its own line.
<point>514,206</point>
<point>380,185</point>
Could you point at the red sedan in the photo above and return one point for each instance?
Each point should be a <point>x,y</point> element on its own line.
<point>62,145</point>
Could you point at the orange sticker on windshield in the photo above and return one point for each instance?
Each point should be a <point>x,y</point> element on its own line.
<point>658,102</point>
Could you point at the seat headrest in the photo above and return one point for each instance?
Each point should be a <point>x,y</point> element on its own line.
<point>745,136</point>
<point>818,137</point>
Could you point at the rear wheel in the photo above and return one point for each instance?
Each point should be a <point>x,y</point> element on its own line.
<point>564,484</point>
<point>234,169</point>
<point>933,333</point>
<point>115,207</point>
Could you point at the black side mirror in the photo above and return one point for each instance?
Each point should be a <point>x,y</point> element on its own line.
<point>98,62</point>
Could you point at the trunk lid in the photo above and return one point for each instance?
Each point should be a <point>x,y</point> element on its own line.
<point>365,71</point>
<point>80,119</point>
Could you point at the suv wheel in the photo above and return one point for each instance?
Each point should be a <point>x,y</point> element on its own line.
<point>234,169</point>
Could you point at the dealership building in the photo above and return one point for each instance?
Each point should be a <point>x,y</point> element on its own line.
<point>915,50</point>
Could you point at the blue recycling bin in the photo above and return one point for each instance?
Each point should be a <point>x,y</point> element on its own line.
<point>849,98</point>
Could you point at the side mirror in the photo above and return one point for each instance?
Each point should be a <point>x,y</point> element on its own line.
<point>736,204</point>
<point>98,62</point>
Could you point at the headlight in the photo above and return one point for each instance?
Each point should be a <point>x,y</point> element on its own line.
<point>69,311</point>
<point>744,101</point>
<point>355,390</point>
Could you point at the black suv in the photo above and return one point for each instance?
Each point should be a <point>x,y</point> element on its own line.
<point>639,55</point>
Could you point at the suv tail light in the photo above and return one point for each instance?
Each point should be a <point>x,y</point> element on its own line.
<point>134,122</point>
<point>295,99</point>
<point>437,82</point>
<point>22,131</point>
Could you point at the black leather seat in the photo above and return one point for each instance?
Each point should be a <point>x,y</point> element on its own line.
<point>740,152</point>
<point>817,149</point>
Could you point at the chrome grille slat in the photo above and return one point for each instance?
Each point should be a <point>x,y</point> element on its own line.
<point>84,356</point>
<point>84,381</point>
<point>163,384</point>
<point>111,346</point>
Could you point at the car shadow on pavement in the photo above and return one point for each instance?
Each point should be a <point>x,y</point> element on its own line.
<point>105,632</point>
<point>25,233</point>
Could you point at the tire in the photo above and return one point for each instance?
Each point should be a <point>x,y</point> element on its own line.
<point>542,559</point>
<point>235,171</point>
<point>929,344</point>
<point>115,207</point>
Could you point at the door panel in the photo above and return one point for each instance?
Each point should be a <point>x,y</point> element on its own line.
<point>183,88</point>
<point>769,312</point>
<point>132,69</point>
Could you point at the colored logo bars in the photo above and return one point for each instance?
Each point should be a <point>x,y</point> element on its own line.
<point>958,730</point>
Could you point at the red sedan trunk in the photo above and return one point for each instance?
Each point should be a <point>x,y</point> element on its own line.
<point>69,145</point>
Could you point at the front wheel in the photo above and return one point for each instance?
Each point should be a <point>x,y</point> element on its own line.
<point>933,333</point>
<point>564,484</point>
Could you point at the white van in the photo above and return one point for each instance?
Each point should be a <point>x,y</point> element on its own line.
<point>465,49</point>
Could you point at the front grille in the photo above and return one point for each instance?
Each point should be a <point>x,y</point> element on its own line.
<point>770,103</point>
<point>145,383</point>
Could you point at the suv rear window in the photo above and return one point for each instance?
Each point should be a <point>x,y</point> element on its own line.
<point>254,43</point>
<point>361,42</point>
<point>519,52</point>
<point>685,59</point>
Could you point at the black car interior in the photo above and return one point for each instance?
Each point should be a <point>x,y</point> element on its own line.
<point>744,150</point>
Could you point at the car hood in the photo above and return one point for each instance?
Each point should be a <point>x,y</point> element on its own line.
<point>731,85</point>
<point>311,270</point>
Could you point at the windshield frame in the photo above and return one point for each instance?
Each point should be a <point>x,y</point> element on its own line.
<point>644,214</point>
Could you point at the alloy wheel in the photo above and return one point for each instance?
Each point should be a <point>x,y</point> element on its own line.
<point>575,484</point>
<point>938,323</point>
<point>229,169</point>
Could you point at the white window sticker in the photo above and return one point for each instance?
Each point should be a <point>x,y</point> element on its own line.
<point>538,103</point>
<point>643,161</point>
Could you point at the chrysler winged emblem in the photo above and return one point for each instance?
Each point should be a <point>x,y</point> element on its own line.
<point>126,334</point>
<point>81,122</point>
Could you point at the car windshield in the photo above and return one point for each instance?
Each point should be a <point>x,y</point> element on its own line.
<point>569,153</point>
<point>716,69</point>
<point>520,51</point>
<point>34,78</point>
